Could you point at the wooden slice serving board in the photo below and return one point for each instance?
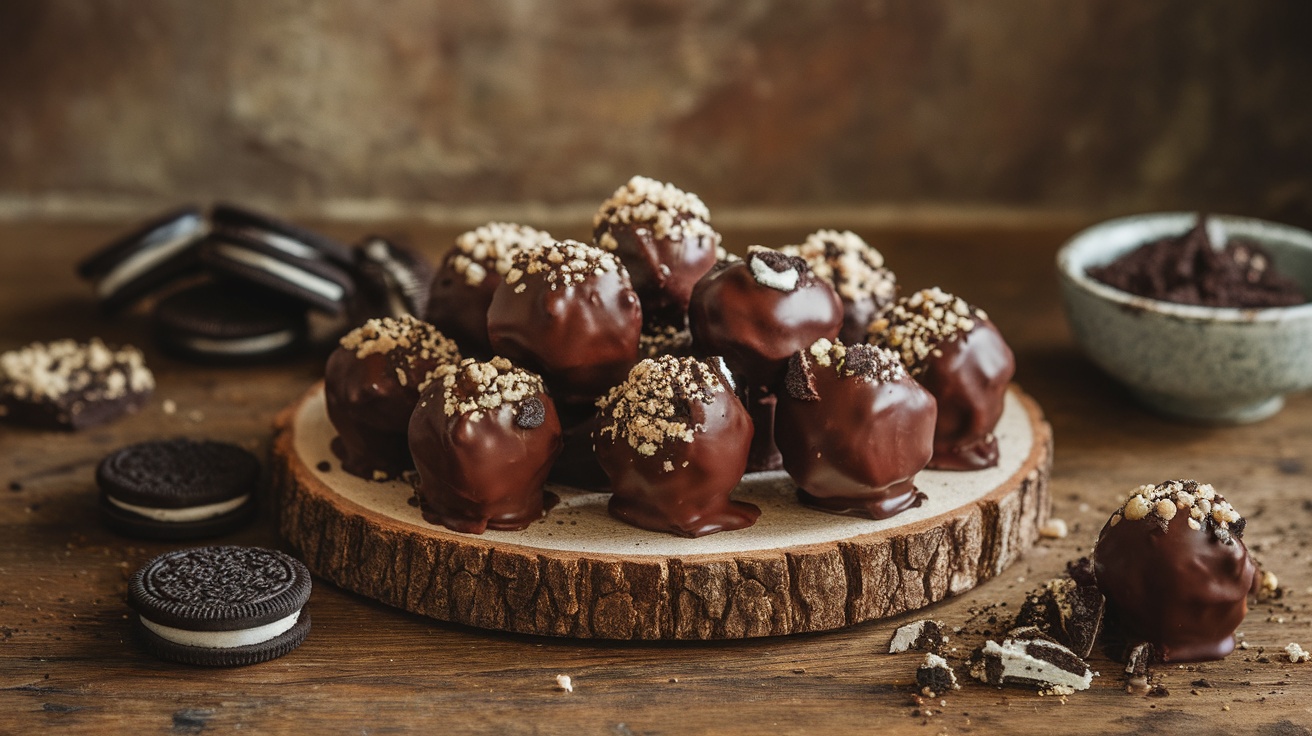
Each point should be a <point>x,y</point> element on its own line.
<point>580,573</point>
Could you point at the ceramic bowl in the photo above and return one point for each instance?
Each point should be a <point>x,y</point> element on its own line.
<point>1203,363</point>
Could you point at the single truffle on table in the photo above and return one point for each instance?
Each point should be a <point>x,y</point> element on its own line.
<point>954,351</point>
<point>468,277</point>
<point>663,236</point>
<point>568,312</point>
<point>674,441</point>
<point>1173,566</point>
<point>69,385</point>
<point>483,437</point>
<point>857,273</point>
<point>372,383</point>
<point>854,429</point>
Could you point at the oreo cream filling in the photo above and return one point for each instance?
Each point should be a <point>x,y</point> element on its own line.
<point>191,513</point>
<point>179,236</point>
<point>222,639</point>
<point>239,345</point>
<point>308,281</point>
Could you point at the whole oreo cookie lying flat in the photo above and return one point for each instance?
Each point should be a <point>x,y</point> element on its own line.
<point>221,606</point>
<point>229,322</point>
<point>177,489</point>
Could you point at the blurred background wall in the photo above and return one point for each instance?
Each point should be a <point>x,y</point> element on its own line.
<point>438,109</point>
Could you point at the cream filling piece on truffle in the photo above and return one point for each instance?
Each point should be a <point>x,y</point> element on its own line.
<point>192,513</point>
<point>292,274</point>
<point>144,260</point>
<point>778,280</point>
<point>239,345</point>
<point>222,639</point>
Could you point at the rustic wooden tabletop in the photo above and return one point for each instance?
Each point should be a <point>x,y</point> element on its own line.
<point>68,663</point>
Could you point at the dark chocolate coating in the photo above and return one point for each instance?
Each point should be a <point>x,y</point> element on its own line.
<point>857,315</point>
<point>484,474</point>
<point>757,328</point>
<point>459,309</point>
<point>764,454</point>
<point>581,338</point>
<point>692,500</point>
<point>1182,590</point>
<point>370,409</point>
<point>856,448</point>
<point>577,464</point>
<point>969,380</point>
<point>663,270</point>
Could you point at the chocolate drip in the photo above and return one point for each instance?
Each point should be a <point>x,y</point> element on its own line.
<point>969,377</point>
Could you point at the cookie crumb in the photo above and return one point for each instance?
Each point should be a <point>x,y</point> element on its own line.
<point>170,407</point>
<point>1297,654</point>
<point>1054,529</point>
<point>565,683</point>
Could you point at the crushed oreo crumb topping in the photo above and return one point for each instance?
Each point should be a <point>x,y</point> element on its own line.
<point>491,247</point>
<point>54,370</point>
<point>405,338</point>
<point>472,388</point>
<point>664,340</point>
<point>848,263</point>
<point>1205,508</point>
<point>916,325</point>
<point>778,270</point>
<point>670,212</point>
<point>563,264</point>
<point>652,406</point>
<point>865,362</point>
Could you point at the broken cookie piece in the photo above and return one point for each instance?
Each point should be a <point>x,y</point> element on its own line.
<point>1034,662</point>
<point>935,676</point>
<point>1069,609</point>
<point>924,635</point>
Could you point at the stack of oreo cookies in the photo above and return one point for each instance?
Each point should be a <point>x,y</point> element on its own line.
<point>237,286</point>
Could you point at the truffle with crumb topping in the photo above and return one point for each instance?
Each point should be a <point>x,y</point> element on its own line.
<point>856,271</point>
<point>665,239</point>
<point>372,383</point>
<point>674,440</point>
<point>570,313</point>
<point>854,429</point>
<point>1172,564</point>
<point>469,275</point>
<point>483,436</point>
<point>954,351</point>
<point>69,385</point>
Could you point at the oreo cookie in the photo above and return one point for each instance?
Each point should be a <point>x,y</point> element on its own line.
<point>145,259</point>
<point>315,282</point>
<point>293,240</point>
<point>229,322</point>
<point>177,489</point>
<point>70,385</point>
<point>393,280</point>
<point>221,606</point>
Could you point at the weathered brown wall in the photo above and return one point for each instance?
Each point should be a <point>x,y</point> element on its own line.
<point>1088,105</point>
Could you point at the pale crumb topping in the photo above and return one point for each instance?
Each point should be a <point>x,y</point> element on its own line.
<point>652,406</point>
<point>415,339</point>
<point>491,246</point>
<point>667,210</point>
<point>1201,503</point>
<point>664,340</point>
<point>566,263</point>
<point>848,263</point>
<point>472,388</point>
<point>916,325</point>
<point>863,362</point>
<point>52,371</point>
<point>724,256</point>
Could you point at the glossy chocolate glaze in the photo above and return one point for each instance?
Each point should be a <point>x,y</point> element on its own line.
<point>764,454</point>
<point>663,270</point>
<point>370,409</point>
<point>1181,589</point>
<point>459,309</point>
<point>486,473</point>
<point>969,379</point>
<point>757,328</point>
<point>857,315</point>
<point>582,338</point>
<point>855,447</point>
<point>577,464</point>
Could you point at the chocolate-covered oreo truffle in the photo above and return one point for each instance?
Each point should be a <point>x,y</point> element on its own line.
<point>664,237</point>
<point>483,437</point>
<point>674,441</point>
<point>568,312</point>
<point>854,429</point>
<point>857,273</point>
<point>954,351</point>
<point>469,275</point>
<point>759,311</point>
<point>1173,566</point>
<point>372,383</point>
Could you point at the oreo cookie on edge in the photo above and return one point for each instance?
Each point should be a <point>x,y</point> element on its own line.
<point>145,259</point>
<point>314,282</point>
<point>393,280</point>
<point>177,489</point>
<point>291,239</point>
<point>221,606</point>
<point>229,322</point>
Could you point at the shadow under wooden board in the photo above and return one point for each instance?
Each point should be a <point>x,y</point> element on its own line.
<point>580,573</point>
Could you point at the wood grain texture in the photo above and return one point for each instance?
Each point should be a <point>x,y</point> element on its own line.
<point>68,664</point>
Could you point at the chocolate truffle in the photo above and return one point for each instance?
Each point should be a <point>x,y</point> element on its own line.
<point>857,273</point>
<point>664,237</point>
<point>759,311</point>
<point>568,312</point>
<point>954,351</point>
<point>854,429</point>
<point>674,441</point>
<point>469,275</point>
<point>1172,563</point>
<point>483,437</point>
<point>372,383</point>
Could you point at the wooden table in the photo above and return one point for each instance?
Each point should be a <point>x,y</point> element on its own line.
<point>69,665</point>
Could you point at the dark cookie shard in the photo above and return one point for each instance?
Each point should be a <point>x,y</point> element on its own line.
<point>1069,609</point>
<point>924,635</point>
<point>935,676</point>
<point>1027,658</point>
<point>68,385</point>
<point>532,412</point>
